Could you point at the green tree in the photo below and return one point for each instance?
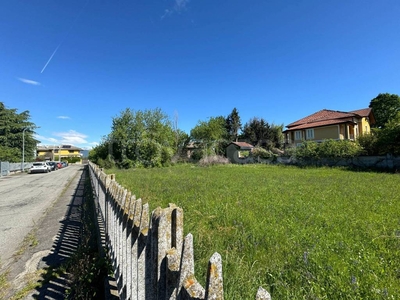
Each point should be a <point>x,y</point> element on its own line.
<point>257,131</point>
<point>182,139</point>
<point>211,135</point>
<point>233,125</point>
<point>142,138</point>
<point>386,107</point>
<point>100,152</point>
<point>388,140</point>
<point>276,136</point>
<point>14,127</point>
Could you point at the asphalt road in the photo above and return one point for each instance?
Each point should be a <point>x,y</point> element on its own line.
<point>24,199</point>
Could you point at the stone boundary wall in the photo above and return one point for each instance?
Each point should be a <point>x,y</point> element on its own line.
<point>151,258</point>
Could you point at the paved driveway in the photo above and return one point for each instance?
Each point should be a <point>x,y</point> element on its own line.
<point>24,198</point>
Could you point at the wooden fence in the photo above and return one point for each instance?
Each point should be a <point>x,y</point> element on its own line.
<point>151,258</point>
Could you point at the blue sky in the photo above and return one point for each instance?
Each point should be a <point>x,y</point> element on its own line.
<point>76,64</point>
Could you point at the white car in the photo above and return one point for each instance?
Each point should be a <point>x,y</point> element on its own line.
<point>40,167</point>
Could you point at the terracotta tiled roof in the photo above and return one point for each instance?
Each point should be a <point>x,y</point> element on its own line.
<point>322,115</point>
<point>321,123</point>
<point>329,117</point>
<point>243,145</point>
<point>365,112</point>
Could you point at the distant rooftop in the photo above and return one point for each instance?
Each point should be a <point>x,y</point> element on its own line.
<point>51,147</point>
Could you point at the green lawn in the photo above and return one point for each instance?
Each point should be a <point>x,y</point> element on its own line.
<point>301,233</point>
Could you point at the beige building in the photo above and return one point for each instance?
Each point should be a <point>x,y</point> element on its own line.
<point>60,152</point>
<point>330,124</point>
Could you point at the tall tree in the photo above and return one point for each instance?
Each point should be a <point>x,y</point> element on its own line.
<point>14,128</point>
<point>257,131</point>
<point>386,107</point>
<point>233,125</point>
<point>144,138</point>
<point>276,135</point>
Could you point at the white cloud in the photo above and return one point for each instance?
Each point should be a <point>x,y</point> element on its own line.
<point>63,117</point>
<point>72,137</point>
<point>46,140</point>
<point>28,81</point>
<point>178,7</point>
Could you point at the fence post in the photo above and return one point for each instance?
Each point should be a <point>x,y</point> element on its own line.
<point>188,287</point>
<point>143,215</point>
<point>215,286</point>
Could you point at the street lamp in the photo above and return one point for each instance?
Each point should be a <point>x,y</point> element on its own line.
<point>23,145</point>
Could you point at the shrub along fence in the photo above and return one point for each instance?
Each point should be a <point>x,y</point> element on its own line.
<point>151,258</point>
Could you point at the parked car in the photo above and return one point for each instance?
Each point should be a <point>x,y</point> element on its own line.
<point>64,164</point>
<point>53,165</point>
<point>59,165</point>
<point>40,167</point>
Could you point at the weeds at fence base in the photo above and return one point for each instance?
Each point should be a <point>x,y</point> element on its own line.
<point>86,268</point>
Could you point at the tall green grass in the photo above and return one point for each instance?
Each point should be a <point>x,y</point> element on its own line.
<point>301,233</point>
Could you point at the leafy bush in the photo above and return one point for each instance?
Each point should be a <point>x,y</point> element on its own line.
<point>72,160</point>
<point>368,143</point>
<point>328,149</point>
<point>338,149</point>
<point>307,150</point>
<point>289,152</point>
<point>389,139</point>
<point>259,152</point>
<point>126,164</point>
<point>166,156</point>
<point>198,154</point>
<point>107,163</point>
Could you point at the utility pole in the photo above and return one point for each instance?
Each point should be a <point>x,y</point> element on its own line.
<point>23,146</point>
<point>23,149</point>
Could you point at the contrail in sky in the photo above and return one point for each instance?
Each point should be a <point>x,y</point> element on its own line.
<point>50,58</point>
<point>69,30</point>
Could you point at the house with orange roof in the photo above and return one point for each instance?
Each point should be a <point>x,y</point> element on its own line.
<point>329,124</point>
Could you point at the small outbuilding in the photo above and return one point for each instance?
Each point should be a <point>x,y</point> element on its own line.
<point>239,152</point>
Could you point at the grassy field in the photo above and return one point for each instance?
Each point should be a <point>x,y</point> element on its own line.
<point>301,233</point>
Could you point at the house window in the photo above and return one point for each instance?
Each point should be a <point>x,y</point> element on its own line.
<point>310,134</point>
<point>297,135</point>
<point>288,139</point>
<point>56,151</point>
